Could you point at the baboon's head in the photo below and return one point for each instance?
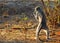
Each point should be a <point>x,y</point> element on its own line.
<point>37,8</point>
<point>36,12</point>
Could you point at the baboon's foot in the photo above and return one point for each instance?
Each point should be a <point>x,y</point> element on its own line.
<point>48,39</point>
<point>37,41</point>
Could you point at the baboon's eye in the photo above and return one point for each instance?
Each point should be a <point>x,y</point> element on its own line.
<point>38,8</point>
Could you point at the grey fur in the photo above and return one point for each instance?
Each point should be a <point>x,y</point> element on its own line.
<point>41,18</point>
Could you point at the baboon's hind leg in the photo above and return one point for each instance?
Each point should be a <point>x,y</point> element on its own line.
<point>38,30</point>
<point>46,30</point>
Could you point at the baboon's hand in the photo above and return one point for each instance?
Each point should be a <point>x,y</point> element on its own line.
<point>35,15</point>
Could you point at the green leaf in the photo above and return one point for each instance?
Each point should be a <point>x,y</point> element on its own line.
<point>25,18</point>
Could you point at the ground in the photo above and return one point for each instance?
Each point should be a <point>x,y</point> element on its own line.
<point>23,35</point>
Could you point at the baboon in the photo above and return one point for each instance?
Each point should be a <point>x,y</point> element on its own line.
<point>41,18</point>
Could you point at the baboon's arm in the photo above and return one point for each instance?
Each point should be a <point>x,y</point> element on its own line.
<point>35,15</point>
